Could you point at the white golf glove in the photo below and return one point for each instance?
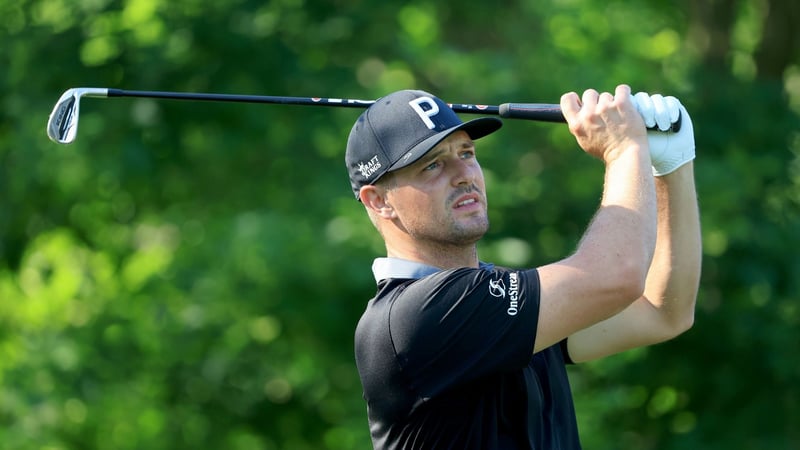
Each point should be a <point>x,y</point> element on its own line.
<point>668,150</point>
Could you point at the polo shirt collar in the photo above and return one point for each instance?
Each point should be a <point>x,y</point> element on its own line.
<point>385,268</point>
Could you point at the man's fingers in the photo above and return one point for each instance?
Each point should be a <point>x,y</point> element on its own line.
<point>657,111</point>
<point>589,99</point>
<point>605,99</point>
<point>645,106</point>
<point>674,107</point>
<point>570,106</point>
<point>622,91</point>
<point>661,111</point>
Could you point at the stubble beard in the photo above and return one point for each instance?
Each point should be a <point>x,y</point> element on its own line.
<point>451,231</point>
<point>468,230</point>
<point>463,234</point>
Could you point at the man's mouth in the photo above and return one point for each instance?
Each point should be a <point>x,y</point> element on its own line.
<point>466,201</point>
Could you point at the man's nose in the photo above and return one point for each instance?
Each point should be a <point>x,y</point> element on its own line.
<point>463,172</point>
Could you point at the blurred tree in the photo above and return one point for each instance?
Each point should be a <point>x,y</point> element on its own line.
<point>189,275</point>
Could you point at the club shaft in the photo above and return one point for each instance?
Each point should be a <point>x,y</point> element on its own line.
<point>531,111</point>
<point>62,126</point>
<point>542,112</point>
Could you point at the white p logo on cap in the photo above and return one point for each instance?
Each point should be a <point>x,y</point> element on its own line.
<point>416,105</point>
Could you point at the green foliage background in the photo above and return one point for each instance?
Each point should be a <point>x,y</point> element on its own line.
<point>189,275</point>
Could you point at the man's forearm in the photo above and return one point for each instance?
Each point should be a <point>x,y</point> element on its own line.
<point>629,185</point>
<point>674,275</point>
<point>618,245</point>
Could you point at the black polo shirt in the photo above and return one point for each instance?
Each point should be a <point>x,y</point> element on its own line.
<point>446,362</point>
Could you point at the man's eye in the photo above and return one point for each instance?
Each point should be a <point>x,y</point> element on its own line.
<point>432,166</point>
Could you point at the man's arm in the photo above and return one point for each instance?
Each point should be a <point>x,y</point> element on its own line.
<point>667,307</point>
<point>608,270</point>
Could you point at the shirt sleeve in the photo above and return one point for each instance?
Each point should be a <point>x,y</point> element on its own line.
<point>458,325</point>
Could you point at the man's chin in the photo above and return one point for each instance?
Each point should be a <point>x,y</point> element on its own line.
<point>470,233</point>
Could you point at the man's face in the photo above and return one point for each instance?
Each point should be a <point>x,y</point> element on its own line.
<point>441,198</point>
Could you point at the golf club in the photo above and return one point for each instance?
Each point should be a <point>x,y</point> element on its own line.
<point>62,126</point>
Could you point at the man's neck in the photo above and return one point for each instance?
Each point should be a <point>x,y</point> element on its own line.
<point>441,256</point>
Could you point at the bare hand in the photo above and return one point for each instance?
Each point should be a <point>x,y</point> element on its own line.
<point>603,124</point>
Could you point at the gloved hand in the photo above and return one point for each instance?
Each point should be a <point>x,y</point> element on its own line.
<point>668,150</point>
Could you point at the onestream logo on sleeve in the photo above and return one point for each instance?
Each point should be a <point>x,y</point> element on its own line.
<point>497,288</point>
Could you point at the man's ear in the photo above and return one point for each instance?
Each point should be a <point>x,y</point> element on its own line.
<point>374,198</point>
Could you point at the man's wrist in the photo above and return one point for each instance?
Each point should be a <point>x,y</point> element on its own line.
<point>627,152</point>
<point>677,172</point>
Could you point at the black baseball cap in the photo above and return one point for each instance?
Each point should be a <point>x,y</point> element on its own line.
<point>398,129</point>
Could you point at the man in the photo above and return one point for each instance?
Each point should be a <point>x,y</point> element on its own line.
<point>455,353</point>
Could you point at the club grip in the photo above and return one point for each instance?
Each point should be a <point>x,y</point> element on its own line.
<point>547,112</point>
<point>543,112</point>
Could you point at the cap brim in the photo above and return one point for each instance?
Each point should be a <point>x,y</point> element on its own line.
<point>476,129</point>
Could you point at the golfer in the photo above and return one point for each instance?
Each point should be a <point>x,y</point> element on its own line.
<point>457,353</point>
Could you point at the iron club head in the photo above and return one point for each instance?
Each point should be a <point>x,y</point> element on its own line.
<point>62,126</point>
